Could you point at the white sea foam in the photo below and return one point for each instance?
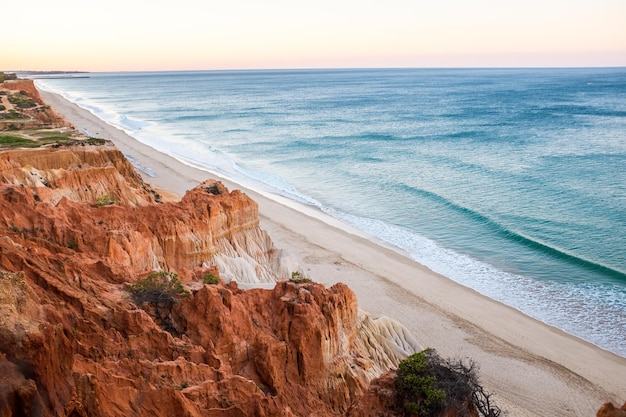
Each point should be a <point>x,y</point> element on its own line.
<point>597,307</point>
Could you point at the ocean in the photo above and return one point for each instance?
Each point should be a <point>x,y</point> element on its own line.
<point>508,181</point>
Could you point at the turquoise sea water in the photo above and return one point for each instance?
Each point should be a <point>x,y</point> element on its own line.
<point>509,181</point>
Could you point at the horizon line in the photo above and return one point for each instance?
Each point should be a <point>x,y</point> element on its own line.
<point>320,69</point>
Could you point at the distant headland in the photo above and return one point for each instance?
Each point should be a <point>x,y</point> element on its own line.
<point>47,74</point>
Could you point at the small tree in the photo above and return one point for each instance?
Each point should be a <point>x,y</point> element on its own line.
<point>160,290</point>
<point>430,386</point>
<point>415,386</point>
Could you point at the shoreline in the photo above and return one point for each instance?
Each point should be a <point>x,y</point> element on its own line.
<point>533,369</point>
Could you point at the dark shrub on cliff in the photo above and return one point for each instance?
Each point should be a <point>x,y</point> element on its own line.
<point>430,386</point>
<point>158,288</point>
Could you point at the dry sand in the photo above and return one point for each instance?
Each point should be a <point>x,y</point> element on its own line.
<point>531,368</point>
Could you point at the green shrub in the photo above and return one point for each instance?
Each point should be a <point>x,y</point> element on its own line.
<point>415,386</point>
<point>210,279</point>
<point>105,200</point>
<point>298,278</point>
<point>430,386</point>
<point>182,386</point>
<point>72,243</point>
<point>158,288</point>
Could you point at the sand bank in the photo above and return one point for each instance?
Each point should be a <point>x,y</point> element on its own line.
<point>533,369</point>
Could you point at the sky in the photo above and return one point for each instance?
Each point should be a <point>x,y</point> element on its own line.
<point>127,35</point>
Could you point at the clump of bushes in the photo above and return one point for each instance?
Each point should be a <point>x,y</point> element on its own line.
<point>21,100</point>
<point>12,114</point>
<point>160,288</point>
<point>430,386</point>
<point>4,76</point>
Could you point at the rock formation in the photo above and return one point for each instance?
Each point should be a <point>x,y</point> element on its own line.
<point>58,193</point>
<point>379,400</point>
<point>78,226</point>
<point>609,410</point>
<point>23,85</point>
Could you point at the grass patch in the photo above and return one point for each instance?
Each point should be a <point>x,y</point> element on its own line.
<point>11,141</point>
<point>52,139</point>
<point>55,139</point>
<point>96,141</point>
<point>44,134</point>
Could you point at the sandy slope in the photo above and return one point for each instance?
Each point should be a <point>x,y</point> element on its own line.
<point>532,369</point>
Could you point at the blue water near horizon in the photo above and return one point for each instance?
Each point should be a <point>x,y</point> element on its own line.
<point>509,181</point>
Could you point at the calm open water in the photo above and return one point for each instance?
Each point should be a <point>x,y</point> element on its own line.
<point>509,181</point>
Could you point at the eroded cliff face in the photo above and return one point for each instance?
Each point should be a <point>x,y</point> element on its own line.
<point>90,198</point>
<point>73,343</point>
<point>79,173</point>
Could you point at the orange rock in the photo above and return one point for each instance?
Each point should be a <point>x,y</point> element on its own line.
<point>55,193</point>
<point>609,410</point>
<point>28,86</point>
<point>379,400</point>
<point>74,342</point>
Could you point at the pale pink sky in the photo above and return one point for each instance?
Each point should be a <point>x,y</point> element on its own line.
<point>119,35</point>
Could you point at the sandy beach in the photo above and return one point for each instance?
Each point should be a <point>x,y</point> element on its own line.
<point>531,368</point>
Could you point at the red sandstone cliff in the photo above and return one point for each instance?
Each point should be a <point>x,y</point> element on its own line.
<point>23,85</point>
<point>59,199</point>
<point>72,342</point>
<point>38,116</point>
